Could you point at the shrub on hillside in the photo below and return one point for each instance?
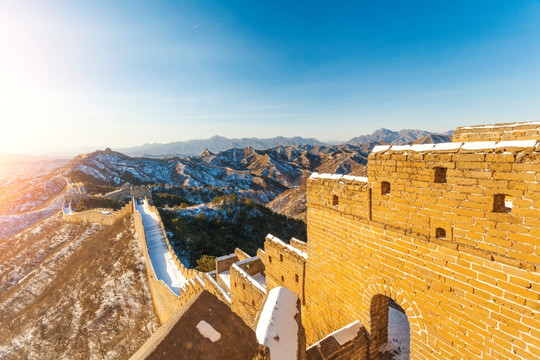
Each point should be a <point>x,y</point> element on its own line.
<point>240,223</point>
<point>206,263</point>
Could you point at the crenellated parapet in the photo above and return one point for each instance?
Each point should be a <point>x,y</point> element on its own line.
<point>448,232</point>
<point>101,216</point>
<point>481,195</point>
<point>498,132</point>
<point>285,264</point>
<point>248,289</point>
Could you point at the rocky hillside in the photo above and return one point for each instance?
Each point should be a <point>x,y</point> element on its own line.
<point>73,291</point>
<point>259,174</point>
<point>25,201</point>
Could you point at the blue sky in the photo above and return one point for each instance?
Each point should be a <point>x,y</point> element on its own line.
<point>86,75</point>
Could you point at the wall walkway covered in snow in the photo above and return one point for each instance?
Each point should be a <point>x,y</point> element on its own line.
<point>172,285</point>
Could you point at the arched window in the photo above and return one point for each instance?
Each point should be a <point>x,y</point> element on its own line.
<point>440,233</point>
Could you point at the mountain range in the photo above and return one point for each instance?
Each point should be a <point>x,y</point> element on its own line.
<point>405,136</point>
<point>215,144</point>
<point>259,174</point>
<point>220,143</point>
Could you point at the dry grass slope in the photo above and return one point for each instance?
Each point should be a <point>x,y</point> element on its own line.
<point>73,291</point>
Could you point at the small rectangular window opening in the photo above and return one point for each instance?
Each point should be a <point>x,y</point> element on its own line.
<point>440,175</point>
<point>385,188</point>
<point>296,278</point>
<point>502,203</point>
<point>281,257</point>
<point>335,200</point>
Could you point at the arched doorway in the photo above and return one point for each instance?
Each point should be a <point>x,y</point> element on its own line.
<point>390,330</point>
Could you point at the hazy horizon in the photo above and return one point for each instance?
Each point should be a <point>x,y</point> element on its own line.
<point>78,75</point>
<point>70,152</point>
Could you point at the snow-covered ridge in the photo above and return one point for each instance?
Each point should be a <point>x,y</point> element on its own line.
<point>362,179</point>
<point>456,146</point>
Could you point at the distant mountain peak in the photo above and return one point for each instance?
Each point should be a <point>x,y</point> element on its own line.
<point>403,136</point>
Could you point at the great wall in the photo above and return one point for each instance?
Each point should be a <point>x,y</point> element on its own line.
<point>446,233</point>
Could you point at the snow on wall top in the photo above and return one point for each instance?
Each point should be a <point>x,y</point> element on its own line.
<point>215,283</point>
<point>499,125</point>
<point>338,176</point>
<point>277,328</point>
<point>161,261</point>
<point>280,242</point>
<point>345,334</point>
<point>248,277</point>
<point>455,146</point>
<point>224,257</point>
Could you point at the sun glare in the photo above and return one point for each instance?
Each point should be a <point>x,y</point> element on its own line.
<point>30,101</point>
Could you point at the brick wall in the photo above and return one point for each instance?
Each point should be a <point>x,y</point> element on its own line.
<point>508,131</point>
<point>332,347</point>
<point>462,301</point>
<point>165,301</point>
<point>211,285</point>
<point>104,217</point>
<point>224,263</point>
<point>284,265</point>
<point>247,295</point>
<point>186,272</point>
<point>464,205</point>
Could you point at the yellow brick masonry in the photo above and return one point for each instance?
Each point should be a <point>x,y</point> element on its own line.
<point>473,293</point>
<point>103,216</point>
<point>464,204</point>
<point>284,266</point>
<point>498,132</point>
<point>247,298</point>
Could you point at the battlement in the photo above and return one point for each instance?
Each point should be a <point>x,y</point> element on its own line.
<point>102,216</point>
<point>447,231</point>
<point>136,192</point>
<point>166,302</point>
<point>248,288</point>
<point>285,264</point>
<point>498,132</point>
<point>480,195</point>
